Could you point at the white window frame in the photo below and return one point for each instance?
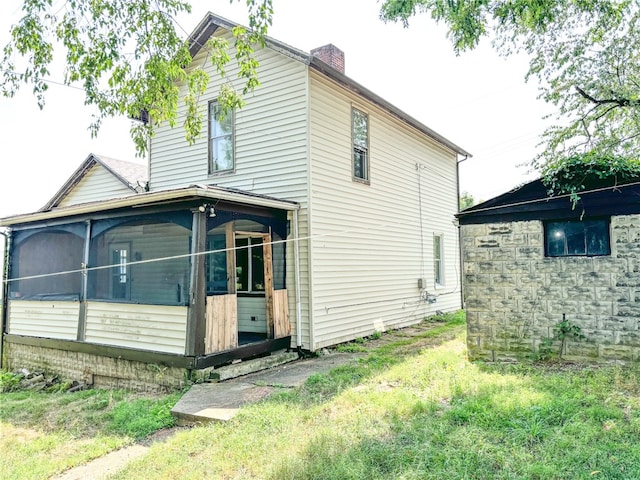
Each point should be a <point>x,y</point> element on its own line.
<point>249,249</point>
<point>214,139</point>
<point>438,260</point>
<point>358,147</point>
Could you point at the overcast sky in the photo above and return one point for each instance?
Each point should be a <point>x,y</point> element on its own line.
<point>477,100</point>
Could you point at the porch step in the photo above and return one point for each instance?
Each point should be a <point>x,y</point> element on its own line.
<point>208,402</point>
<point>246,367</point>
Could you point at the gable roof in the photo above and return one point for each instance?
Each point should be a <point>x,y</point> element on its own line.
<point>211,22</point>
<point>133,175</point>
<point>531,201</point>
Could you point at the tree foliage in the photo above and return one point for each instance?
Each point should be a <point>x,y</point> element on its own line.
<point>578,173</point>
<point>129,56</point>
<point>585,54</point>
<point>467,200</point>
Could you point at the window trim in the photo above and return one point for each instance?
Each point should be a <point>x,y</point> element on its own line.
<point>213,104</point>
<point>250,246</point>
<point>367,160</point>
<point>605,220</point>
<point>438,263</point>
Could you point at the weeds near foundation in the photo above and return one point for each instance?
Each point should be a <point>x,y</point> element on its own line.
<point>564,331</point>
<point>9,381</point>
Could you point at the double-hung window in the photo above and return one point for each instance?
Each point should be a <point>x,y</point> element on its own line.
<point>438,271</point>
<point>221,148</point>
<point>577,238</point>
<point>360,136</point>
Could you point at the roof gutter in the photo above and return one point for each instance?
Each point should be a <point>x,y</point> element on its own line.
<point>145,199</point>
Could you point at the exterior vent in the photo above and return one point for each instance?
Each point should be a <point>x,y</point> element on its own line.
<point>331,55</point>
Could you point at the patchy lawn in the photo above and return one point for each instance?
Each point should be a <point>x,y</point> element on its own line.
<point>42,434</point>
<point>413,408</point>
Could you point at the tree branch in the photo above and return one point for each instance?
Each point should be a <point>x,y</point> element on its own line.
<point>620,102</point>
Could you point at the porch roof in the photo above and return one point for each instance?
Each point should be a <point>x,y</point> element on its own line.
<point>193,192</point>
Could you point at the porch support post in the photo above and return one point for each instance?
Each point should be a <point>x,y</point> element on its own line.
<point>5,291</point>
<point>196,321</point>
<point>82,316</point>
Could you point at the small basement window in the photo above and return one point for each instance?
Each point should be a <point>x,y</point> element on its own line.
<point>577,238</point>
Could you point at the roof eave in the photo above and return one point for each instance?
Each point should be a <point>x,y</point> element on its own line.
<point>147,199</point>
<point>355,87</point>
<point>71,182</point>
<point>212,22</point>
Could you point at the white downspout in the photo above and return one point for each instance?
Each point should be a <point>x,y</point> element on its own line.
<point>296,261</point>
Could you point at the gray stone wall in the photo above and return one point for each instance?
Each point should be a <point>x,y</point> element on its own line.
<point>514,295</point>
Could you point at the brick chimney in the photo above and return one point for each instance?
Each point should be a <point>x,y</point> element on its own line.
<point>331,55</point>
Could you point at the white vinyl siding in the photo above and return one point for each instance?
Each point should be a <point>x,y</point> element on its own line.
<point>159,328</point>
<point>271,149</point>
<point>43,319</point>
<point>252,307</point>
<point>374,245</point>
<point>270,134</point>
<point>97,184</point>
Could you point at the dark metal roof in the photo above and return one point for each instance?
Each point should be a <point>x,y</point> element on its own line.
<point>532,201</point>
<point>212,22</point>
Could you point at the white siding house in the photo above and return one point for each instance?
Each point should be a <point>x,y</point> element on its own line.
<point>316,214</point>
<point>100,178</point>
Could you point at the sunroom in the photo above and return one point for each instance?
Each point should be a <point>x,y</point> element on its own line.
<point>190,278</point>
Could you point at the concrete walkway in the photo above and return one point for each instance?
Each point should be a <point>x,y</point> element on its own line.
<point>221,401</point>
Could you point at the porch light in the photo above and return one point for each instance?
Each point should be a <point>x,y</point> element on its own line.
<point>204,207</point>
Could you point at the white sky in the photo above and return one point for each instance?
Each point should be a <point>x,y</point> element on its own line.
<point>477,100</point>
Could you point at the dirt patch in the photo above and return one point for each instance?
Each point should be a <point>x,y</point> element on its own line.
<point>163,435</point>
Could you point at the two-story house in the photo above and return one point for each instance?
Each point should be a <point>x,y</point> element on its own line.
<point>316,214</point>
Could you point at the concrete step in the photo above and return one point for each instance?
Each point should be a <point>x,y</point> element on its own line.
<point>220,401</point>
<point>246,367</point>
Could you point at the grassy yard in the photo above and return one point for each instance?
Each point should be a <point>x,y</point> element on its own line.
<point>42,434</point>
<point>414,408</point>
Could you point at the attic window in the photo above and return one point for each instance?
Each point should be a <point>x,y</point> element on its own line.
<point>577,238</point>
<point>221,155</point>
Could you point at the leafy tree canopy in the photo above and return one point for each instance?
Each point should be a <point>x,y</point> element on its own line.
<point>578,173</point>
<point>585,54</point>
<point>129,56</point>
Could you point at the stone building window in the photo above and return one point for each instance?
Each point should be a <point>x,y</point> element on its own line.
<point>577,238</point>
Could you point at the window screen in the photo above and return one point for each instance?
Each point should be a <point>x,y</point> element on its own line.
<point>44,252</point>
<point>162,282</point>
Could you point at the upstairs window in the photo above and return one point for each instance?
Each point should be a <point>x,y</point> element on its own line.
<point>576,238</point>
<point>220,139</point>
<point>360,135</point>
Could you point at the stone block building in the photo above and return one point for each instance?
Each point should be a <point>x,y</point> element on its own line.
<point>530,260</point>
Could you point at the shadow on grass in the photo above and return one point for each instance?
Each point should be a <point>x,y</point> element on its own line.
<point>324,387</point>
<point>506,426</point>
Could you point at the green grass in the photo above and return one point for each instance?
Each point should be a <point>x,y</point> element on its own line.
<point>42,434</point>
<point>413,408</point>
